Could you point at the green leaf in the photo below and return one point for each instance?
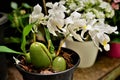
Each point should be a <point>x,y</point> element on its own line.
<point>12,39</point>
<point>26,31</point>
<point>14,5</point>
<point>8,50</point>
<point>10,17</point>
<point>117,40</point>
<point>47,35</point>
<point>26,5</point>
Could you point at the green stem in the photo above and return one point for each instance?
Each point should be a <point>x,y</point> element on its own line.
<point>61,43</point>
<point>49,42</point>
<point>21,23</point>
<point>59,48</point>
<point>16,22</point>
<point>34,37</point>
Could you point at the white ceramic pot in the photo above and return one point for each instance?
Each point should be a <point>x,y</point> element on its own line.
<point>86,50</point>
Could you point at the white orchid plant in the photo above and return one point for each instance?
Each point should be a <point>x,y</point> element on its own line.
<point>88,16</point>
<point>82,20</point>
<point>72,16</point>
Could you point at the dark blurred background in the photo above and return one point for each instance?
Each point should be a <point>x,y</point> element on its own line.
<point>5,4</point>
<point>5,60</point>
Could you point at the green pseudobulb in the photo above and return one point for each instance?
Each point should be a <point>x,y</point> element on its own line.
<point>40,56</point>
<point>59,64</point>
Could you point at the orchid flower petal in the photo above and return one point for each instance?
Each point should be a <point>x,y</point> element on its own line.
<point>107,47</point>
<point>36,14</point>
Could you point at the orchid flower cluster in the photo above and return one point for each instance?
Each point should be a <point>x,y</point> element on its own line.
<point>78,19</point>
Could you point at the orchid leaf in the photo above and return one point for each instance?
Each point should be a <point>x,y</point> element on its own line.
<point>8,50</point>
<point>12,39</point>
<point>51,47</point>
<point>26,31</point>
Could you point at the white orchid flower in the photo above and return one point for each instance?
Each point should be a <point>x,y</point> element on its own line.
<point>56,8</point>
<point>54,25</point>
<point>88,27</point>
<point>74,34</point>
<point>102,27</point>
<point>56,17</point>
<point>76,20</point>
<point>75,23</point>
<point>109,29</point>
<point>89,15</point>
<point>93,35</point>
<point>101,35</point>
<point>75,15</point>
<point>36,14</point>
<point>104,39</point>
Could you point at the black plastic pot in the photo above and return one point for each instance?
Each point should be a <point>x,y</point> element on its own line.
<point>64,75</point>
<point>3,60</point>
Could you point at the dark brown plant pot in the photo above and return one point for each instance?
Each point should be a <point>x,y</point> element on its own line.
<point>63,75</point>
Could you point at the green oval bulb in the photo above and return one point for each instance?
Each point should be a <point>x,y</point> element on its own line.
<point>40,56</point>
<point>59,64</point>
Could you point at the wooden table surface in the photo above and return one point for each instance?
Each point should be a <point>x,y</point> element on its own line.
<point>105,68</point>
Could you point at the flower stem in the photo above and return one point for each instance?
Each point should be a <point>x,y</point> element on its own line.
<point>34,37</point>
<point>61,43</point>
<point>49,42</point>
<point>59,48</point>
<point>44,5</point>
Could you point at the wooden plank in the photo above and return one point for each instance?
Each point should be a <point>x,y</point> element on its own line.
<point>112,75</point>
<point>105,68</point>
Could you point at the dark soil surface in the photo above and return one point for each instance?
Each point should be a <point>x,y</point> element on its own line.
<point>30,68</point>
